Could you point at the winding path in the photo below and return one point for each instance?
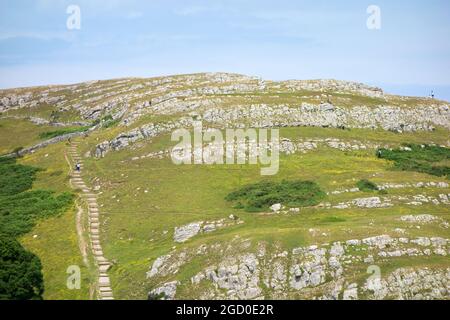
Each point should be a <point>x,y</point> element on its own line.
<point>104,291</point>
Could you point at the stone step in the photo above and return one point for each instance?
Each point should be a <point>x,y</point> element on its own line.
<point>104,281</point>
<point>104,289</point>
<point>101,259</point>
<point>106,294</point>
<point>98,253</point>
<point>104,268</point>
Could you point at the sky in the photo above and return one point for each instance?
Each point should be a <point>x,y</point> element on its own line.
<point>278,40</point>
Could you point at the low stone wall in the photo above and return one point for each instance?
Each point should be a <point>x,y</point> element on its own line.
<point>45,143</point>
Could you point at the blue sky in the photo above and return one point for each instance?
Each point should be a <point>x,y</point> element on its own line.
<point>273,39</point>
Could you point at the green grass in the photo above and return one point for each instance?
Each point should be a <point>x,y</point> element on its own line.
<point>16,133</point>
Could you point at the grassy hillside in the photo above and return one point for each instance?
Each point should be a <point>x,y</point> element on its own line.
<point>145,199</point>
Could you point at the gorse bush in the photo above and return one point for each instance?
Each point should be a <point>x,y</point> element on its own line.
<point>426,159</point>
<point>260,196</point>
<point>20,208</point>
<point>366,185</point>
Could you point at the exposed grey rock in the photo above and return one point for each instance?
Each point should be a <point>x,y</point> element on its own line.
<point>372,202</point>
<point>409,283</point>
<point>186,232</point>
<point>166,291</point>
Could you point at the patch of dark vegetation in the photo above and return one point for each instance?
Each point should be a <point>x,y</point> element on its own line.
<point>61,132</point>
<point>20,272</point>
<point>20,208</point>
<point>106,122</point>
<point>366,185</point>
<point>15,178</point>
<point>332,219</point>
<point>260,196</point>
<point>419,158</point>
<point>19,212</point>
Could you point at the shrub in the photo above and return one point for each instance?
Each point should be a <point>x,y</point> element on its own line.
<point>60,132</point>
<point>366,185</point>
<point>15,178</point>
<point>19,212</point>
<point>260,196</point>
<point>425,159</point>
<point>20,272</point>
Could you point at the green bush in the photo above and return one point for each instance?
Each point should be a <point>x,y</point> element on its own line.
<point>366,185</point>
<point>110,123</point>
<point>60,132</point>
<point>20,272</point>
<point>260,196</point>
<point>15,178</point>
<point>19,212</point>
<point>425,159</point>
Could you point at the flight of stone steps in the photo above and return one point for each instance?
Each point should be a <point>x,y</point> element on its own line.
<point>104,286</point>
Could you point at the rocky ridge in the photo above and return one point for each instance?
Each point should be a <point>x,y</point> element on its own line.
<point>317,271</point>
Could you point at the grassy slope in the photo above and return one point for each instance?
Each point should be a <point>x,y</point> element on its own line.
<point>135,220</point>
<point>22,133</point>
<point>19,133</point>
<point>56,243</point>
